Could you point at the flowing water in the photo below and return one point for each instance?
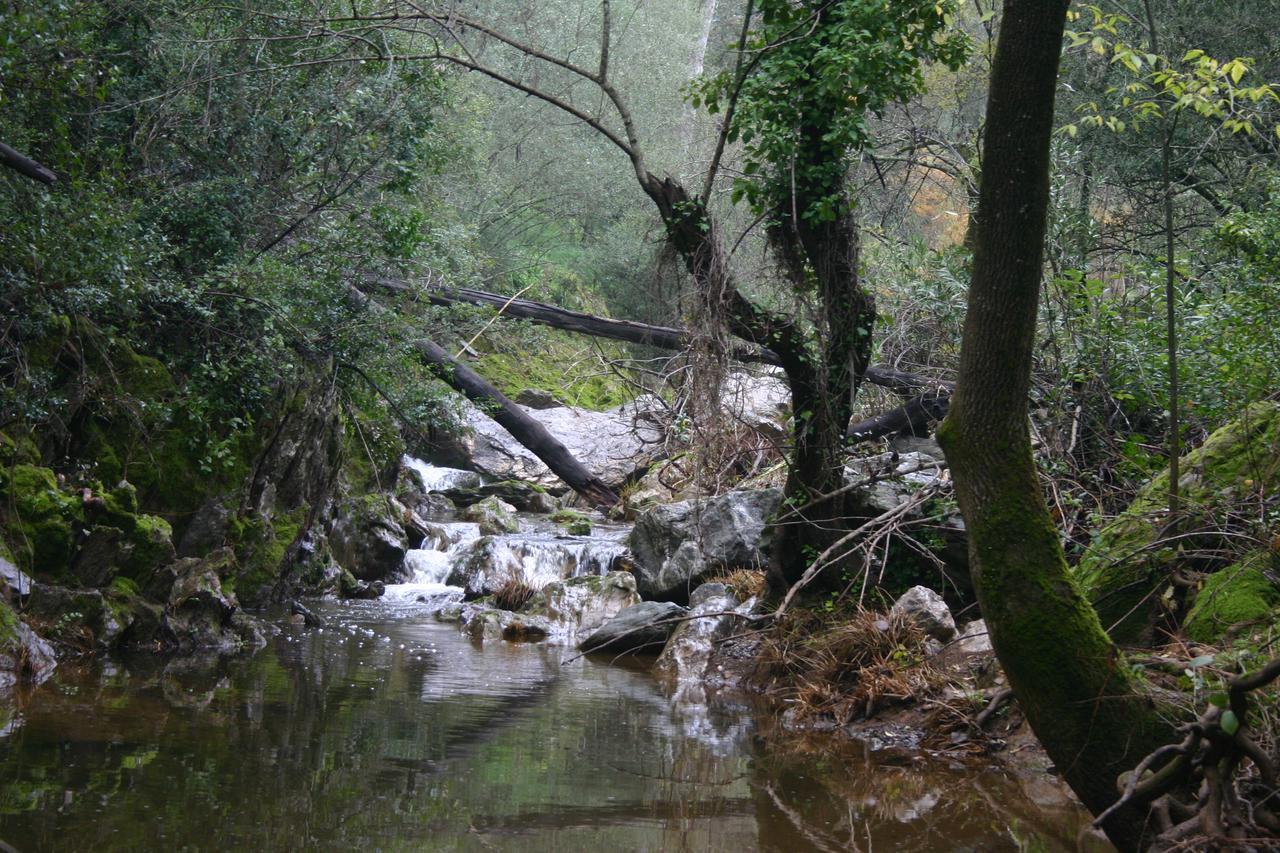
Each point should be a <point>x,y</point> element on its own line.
<point>387,730</point>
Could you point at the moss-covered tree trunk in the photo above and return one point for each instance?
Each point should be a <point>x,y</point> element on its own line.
<point>1069,678</point>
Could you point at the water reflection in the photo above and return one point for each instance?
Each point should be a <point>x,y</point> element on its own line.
<point>386,731</point>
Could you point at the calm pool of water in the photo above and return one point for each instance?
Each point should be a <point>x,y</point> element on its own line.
<point>387,731</point>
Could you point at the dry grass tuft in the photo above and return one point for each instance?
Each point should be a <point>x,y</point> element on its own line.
<point>744,583</point>
<point>513,595</point>
<point>846,668</point>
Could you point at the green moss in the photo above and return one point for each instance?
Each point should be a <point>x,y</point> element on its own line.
<point>1239,593</point>
<point>1124,567</point>
<point>573,522</point>
<point>39,519</point>
<point>18,449</point>
<point>260,546</point>
<point>8,626</point>
<point>124,586</point>
<point>554,372</point>
<point>152,541</point>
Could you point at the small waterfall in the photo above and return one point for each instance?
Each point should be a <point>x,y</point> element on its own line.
<point>436,479</point>
<point>431,564</point>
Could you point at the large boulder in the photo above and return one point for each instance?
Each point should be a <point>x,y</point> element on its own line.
<point>612,445</point>
<point>202,616</point>
<point>884,482</point>
<point>582,605</point>
<point>368,539</point>
<point>1130,561</point>
<point>715,613</point>
<point>677,546</point>
<point>642,628</point>
<point>760,401</point>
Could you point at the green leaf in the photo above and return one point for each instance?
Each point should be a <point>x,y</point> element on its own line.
<point>1229,723</point>
<point>1218,700</point>
<point>1203,660</point>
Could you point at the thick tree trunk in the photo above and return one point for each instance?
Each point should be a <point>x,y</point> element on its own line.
<point>515,420</point>
<point>1070,681</point>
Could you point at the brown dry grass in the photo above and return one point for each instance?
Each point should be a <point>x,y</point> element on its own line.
<point>513,595</point>
<point>847,667</point>
<point>744,583</point>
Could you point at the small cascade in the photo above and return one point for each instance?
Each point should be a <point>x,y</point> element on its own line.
<point>435,479</point>
<point>455,559</point>
<point>430,565</point>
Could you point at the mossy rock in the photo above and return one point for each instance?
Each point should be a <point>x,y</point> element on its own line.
<point>39,520</point>
<point>261,545</point>
<point>1124,568</point>
<point>1242,592</point>
<point>574,523</point>
<point>18,449</point>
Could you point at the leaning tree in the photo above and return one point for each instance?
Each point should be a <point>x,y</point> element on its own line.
<point>807,77</point>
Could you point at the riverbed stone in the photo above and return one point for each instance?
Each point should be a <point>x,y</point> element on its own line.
<point>677,546</point>
<point>582,605</point>
<point>926,609</point>
<point>24,655</point>
<point>368,538</point>
<point>715,613</point>
<point>641,628</point>
<point>494,515</point>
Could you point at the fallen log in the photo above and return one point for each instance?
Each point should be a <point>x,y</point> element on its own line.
<point>515,420</point>
<point>25,165</point>
<point>911,418</point>
<point>663,337</point>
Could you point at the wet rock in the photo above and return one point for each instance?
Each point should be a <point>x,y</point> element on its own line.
<point>928,611</point>
<point>494,515</point>
<point>309,619</point>
<point>15,584</point>
<point>24,655</point>
<point>365,591</point>
<point>492,562</point>
<point>483,623</point>
<point>676,546</point>
<point>582,605</point>
<point>368,539</point>
<point>525,497</point>
<point>199,612</point>
<point>688,655</point>
<point>574,523</point>
<point>641,628</point>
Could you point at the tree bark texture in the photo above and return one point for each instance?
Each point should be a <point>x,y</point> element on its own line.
<point>1070,680</point>
<point>523,428</point>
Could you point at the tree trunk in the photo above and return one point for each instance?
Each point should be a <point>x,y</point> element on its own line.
<point>1071,682</point>
<point>515,420</point>
<point>25,165</point>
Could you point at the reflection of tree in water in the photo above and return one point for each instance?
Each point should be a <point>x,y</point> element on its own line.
<point>811,796</point>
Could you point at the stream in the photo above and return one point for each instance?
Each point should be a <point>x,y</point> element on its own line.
<point>388,730</point>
